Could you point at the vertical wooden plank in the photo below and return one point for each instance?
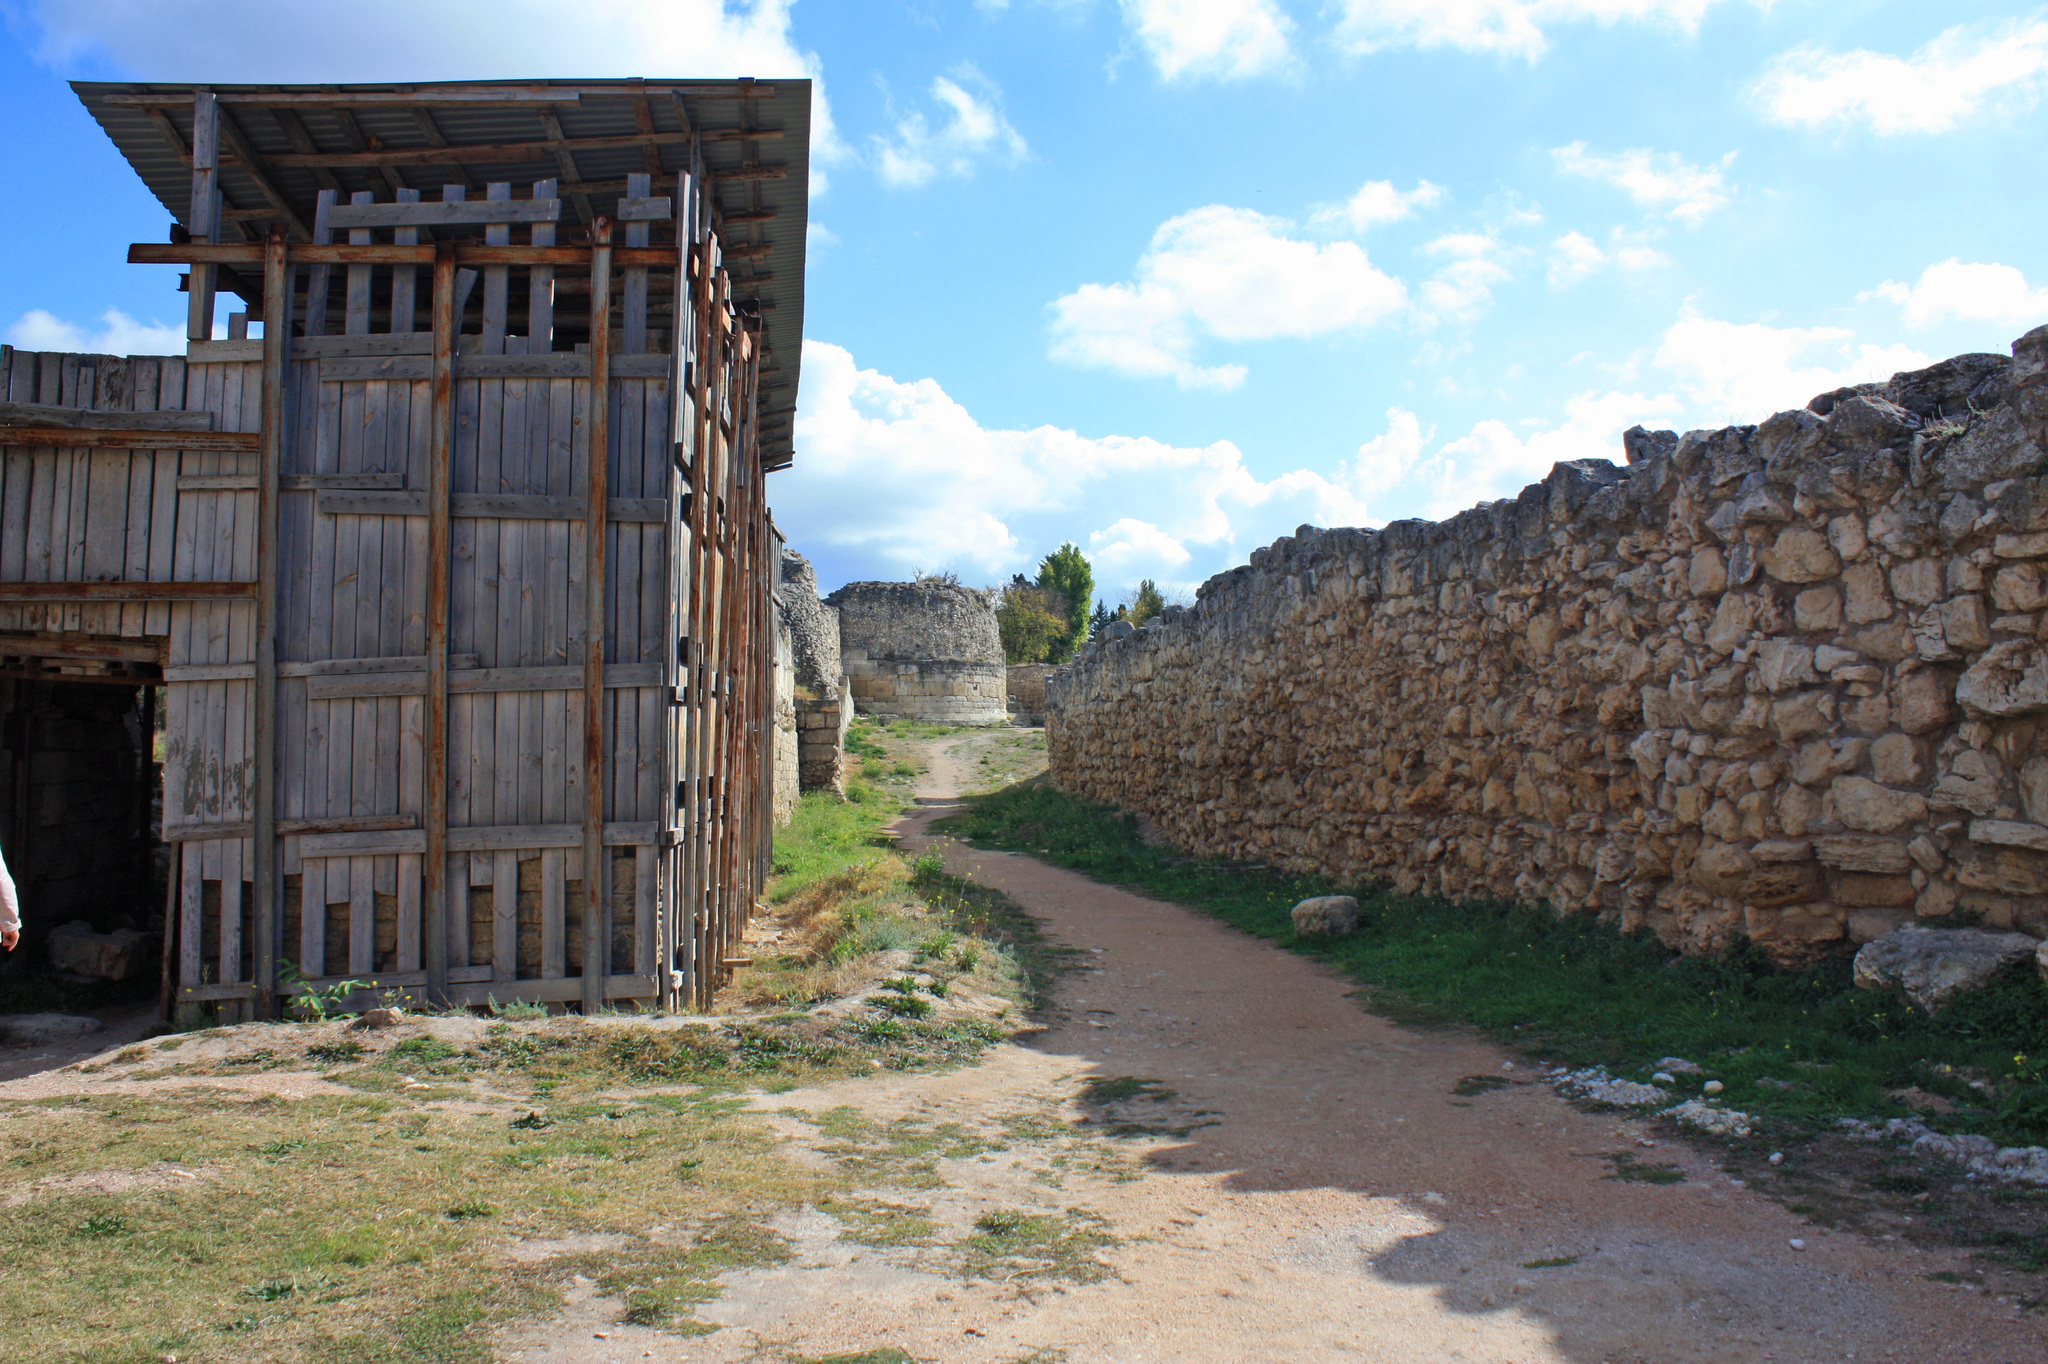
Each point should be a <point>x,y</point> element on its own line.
<point>495,234</point>
<point>643,911</point>
<point>362,916</point>
<point>203,218</point>
<point>554,922</point>
<point>455,940</point>
<point>408,957</point>
<point>540,288</point>
<point>405,278</point>
<point>276,330</point>
<point>505,916</point>
<point>356,320</point>
<point>313,917</point>
<point>230,910</point>
<point>318,277</point>
<point>633,306</point>
<point>190,895</point>
<point>439,929</point>
<point>598,460</point>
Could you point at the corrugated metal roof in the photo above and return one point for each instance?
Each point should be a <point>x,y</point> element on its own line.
<point>282,144</point>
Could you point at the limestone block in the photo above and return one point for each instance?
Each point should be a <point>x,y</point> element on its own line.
<point>1800,554</point>
<point>1920,701</point>
<point>2019,587</point>
<point>1895,760</point>
<point>1862,804</point>
<point>1326,915</point>
<point>1864,890</point>
<point>2010,679</point>
<point>1818,608</point>
<point>121,955</point>
<point>1933,967</point>
<point>1863,853</point>
<point>1867,600</point>
<point>1974,782</point>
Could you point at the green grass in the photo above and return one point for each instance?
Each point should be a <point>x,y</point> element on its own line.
<point>1578,991</point>
<point>826,836</point>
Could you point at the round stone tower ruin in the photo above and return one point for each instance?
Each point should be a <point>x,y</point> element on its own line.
<point>925,650</point>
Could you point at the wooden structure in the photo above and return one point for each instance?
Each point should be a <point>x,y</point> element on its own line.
<point>459,575</point>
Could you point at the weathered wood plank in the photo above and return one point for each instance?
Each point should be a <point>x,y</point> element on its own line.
<point>488,506</point>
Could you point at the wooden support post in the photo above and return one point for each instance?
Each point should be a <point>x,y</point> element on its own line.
<point>277,323</point>
<point>634,318</point>
<point>404,278</point>
<point>434,799</point>
<point>356,310</point>
<point>495,276</point>
<point>318,276</point>
<point>540,285</point>
<point>204,218</point>
<point>595,937</point>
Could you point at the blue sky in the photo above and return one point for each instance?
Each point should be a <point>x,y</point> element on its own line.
<point>1170,278</point>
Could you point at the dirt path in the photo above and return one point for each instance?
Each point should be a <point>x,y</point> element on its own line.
<point>1312,1189</point>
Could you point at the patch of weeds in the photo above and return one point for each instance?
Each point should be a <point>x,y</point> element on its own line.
<point>663,1288</point>
<point>1554,1262</point>
<point>336,1053</point>
<point>523,1009</point>
<point>1901,1184</point>
<point>881,1354</point>
<point>1008,1246</point>
<point>904,1006</point>
<point>470,1208</point>
<point>103,1226</point>
<point>871,1223</point>
<point>1472,1085</point>
<point>282,1147</point>
<point>1627,1167</point>
<point>903,1152</point>
<point>421,1051</point>
<point>2020,1250</point>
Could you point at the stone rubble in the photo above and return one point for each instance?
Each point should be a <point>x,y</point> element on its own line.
<point>1979,1155</point>
<point>1933,966</point>
<point>1784,681</point>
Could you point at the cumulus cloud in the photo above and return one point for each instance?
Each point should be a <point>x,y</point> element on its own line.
<point>415,40</point>
<point>1508,28</point>
<point>973,130</point>
<point>117,334</point>
<point>1463,285</point>
<point>1493,461</point>
<point>892,476</point>
<point>1378,202</point>
<point>1968,292</point>
<point>1960,74</point>
<point>1226,39</point>
<point>1663,181</point>
<point>1574,257</point>
<point>1225,273</point>
<point>1742,372</point>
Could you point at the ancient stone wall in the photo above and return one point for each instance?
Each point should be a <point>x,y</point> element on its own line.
<point>927,650</point>
<point>821,741</point>
<point>1026,686</point>
<point>1784,680</point>
<point>813,626</point>
<point>786,786</point>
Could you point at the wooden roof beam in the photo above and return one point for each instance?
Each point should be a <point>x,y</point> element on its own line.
<point>252,165</point>
<point>556,143</point>
<point>512,95</point>
<point>565,161</point>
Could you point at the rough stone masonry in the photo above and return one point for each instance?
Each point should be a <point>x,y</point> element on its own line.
<point>1785,680</point>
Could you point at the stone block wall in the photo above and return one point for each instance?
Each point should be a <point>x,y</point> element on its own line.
<point>821,741</point>
<point>1785,681</point>
<point>785,789</point>
<point>926,650</point>
<point>1026,686</point>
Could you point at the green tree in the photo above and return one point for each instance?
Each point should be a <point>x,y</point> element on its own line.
<point>1146,603</point>
<point>1099,621</point>
<point>1067,573</point>
<point>1031,621</point>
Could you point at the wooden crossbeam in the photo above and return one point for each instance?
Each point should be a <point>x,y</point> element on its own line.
<point>480,94</point>
<point>49,414</point>
<point>482,153</point>
<point>123,591</point>
<point>188,253</point>
<point>445,214</point>
<point>131,439</point>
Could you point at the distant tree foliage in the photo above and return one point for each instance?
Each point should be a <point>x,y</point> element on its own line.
<point>1099,621</point>
<point>1066,572</point>
<point>1032,622</point>
<point>1146,603</point>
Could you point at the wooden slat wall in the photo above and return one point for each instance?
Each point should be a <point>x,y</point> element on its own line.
<point>684,714</point>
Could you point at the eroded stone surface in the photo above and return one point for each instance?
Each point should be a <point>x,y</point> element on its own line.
<point>1758,682</point>
<point>1932,966</point>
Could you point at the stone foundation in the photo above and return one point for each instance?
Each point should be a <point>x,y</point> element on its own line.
<point>1026,687</point>
<point>821,741</point>
<point>1785,681</point>
<point>925,650</point>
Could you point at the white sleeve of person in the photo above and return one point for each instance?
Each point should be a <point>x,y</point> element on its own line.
<point>10,914</point>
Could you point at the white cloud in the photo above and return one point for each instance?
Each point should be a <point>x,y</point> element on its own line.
<point>1742,372</point>
<point>1225,273</point>
<point>1492,461</point>
<point>892,476</point>
<point>1229,39</point>
<point>1509,28</point>
<point>1959,74</point>
<point>1378,202</point>
<point>118,334</point>
<point>1463,286</point>
<point>1955,291</point>
<point>417,40</point>
<point>974,130</point>
<point>1664,181</point>
<point>1574,257</point>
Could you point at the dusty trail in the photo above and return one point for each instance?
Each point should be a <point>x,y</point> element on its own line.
<point>1345,1205</point>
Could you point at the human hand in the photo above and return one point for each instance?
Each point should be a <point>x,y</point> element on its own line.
<point>9,938</point>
